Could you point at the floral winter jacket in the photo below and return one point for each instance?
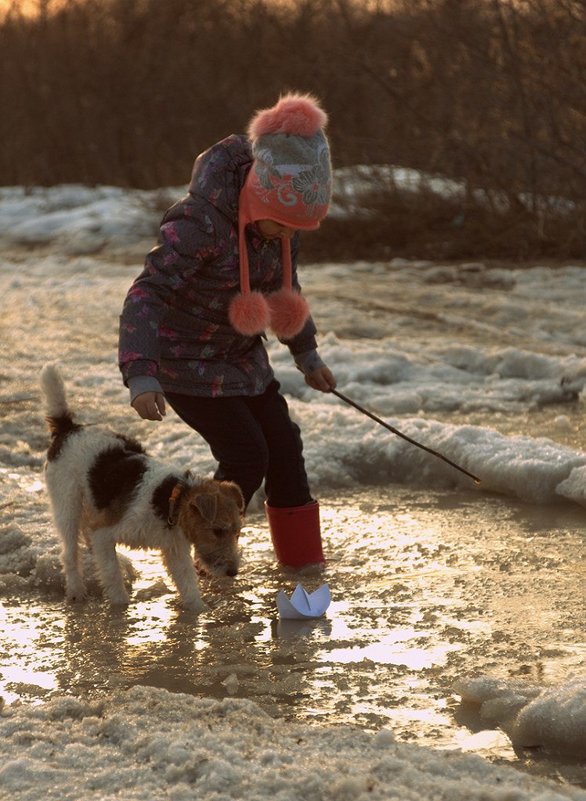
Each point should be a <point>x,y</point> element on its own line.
<point>174,328</point>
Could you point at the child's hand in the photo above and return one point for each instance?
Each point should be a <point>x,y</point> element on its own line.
<point>321,379</point>
<point>150,405</point>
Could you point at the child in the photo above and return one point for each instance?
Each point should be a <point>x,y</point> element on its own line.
<point>193,322</point>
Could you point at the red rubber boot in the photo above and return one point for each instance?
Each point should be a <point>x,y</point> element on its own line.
<point>296,535</point>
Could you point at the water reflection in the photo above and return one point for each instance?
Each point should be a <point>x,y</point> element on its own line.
<point>415,606</point>
<point>394,650</point>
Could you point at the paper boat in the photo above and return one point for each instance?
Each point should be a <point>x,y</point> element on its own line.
<point>302,604</point>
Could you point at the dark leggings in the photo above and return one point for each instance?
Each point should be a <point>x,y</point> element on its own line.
<point>252,438</point>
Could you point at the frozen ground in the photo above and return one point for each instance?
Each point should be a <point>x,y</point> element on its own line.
<point>457,621</point>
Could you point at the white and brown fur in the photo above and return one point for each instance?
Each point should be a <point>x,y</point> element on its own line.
<point>106,490</point>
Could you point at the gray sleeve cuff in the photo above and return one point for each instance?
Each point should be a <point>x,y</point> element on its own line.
<point>308,361</point>
<point>140,384</point>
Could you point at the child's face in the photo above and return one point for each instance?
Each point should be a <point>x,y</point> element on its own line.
<point>269,229</point>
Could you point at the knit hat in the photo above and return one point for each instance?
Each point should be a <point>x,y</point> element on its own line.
<point>289,182</point>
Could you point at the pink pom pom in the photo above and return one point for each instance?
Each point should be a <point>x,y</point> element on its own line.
<point>289,312</point>
<point>249,314</point>
<point>294,114</point>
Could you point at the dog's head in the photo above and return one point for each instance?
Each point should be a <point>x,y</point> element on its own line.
<point>211,518</point>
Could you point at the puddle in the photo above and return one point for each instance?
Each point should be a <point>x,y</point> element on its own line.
<point>426,588</point>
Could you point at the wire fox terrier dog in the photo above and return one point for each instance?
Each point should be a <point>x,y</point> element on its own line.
<point>105,489</point>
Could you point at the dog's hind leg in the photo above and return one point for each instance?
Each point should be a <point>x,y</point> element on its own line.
<point>179,563</point>
<point>67,516</point>
<point>109,573</point>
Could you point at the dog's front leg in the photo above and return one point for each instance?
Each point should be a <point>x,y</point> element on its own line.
<point>179,563</point>
<point>109,573</point>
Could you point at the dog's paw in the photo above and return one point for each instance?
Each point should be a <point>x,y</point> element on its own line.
<point>194,605</point>
<point>76,593</point>
<point>118,599</point>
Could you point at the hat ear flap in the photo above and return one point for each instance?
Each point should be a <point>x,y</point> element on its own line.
<point>249,313</point>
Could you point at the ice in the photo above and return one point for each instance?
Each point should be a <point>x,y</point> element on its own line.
<point>484,365</point>
<point>148,743</point>
<point>533,716</point>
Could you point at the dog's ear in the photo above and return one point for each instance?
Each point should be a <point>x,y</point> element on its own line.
<point>235,491</point>
<point>206,504</point>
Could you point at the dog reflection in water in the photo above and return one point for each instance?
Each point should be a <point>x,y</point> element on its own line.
<point>106,490</point>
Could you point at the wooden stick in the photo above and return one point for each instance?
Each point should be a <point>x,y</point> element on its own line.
<point>372,416</point>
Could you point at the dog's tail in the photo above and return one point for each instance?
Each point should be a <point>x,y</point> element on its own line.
<point>57,412</point>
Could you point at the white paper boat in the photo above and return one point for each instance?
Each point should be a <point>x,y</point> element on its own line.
<point>302,604</point>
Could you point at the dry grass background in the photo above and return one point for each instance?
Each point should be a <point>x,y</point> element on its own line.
<point>491,93</point>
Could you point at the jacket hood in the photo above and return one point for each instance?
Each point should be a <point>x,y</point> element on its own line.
<point>219,173</point>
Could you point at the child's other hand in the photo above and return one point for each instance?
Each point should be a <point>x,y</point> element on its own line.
<point>321,379</point>
<point>150,405</point>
